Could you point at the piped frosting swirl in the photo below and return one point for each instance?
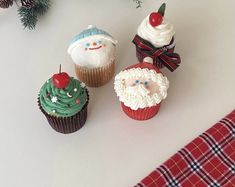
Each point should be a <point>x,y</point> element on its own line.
<point>158,36</point>
<point>63,102</point>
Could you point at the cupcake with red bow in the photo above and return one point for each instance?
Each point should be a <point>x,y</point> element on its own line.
<point>155,39</point>
<point>63,100</point>
<point>141,89</point>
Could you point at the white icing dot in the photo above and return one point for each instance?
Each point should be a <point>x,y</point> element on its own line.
<point>75,89</point>
<point>148,59</point>
<point>53,111</point>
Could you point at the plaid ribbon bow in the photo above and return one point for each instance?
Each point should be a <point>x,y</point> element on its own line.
<point>163,56</point>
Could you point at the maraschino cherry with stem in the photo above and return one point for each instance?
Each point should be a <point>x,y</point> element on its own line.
<point>156,18</point>
<point>61,80</point>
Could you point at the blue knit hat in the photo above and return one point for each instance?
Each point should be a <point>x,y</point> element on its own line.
<point>91,31</point>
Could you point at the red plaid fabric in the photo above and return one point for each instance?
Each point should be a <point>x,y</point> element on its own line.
<point>208,160</point>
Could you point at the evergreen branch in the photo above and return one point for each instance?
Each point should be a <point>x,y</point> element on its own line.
<point>29,16</point>
<point>42,6</point>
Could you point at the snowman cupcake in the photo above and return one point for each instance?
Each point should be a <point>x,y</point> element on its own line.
<point>155,39</point>
<point>141,89</point>
<point>93,52</point>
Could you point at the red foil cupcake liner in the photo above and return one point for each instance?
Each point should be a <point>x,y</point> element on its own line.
<point>141,114</point>
<point>70,124</point>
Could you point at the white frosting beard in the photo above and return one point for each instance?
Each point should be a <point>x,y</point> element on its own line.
<point>140,96</point>
<point>158,36</point>
<point>88,56</point>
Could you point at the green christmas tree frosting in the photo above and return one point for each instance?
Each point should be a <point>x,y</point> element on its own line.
<point>64,102</point>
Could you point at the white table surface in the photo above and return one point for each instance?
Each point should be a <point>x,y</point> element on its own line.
<point>111,150</point>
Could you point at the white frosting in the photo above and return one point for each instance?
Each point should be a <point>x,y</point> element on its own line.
<point>139,96</point>
<point>158,36</point>
<point>85,53</point>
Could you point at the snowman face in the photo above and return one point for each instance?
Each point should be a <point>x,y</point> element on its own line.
<point>143,83</point>
<point>94,45</point>
<point>94,51</point>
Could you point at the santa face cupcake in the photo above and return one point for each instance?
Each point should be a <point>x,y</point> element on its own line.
<point>155,39</point>
<point>63,100</point>
<point>141,88</point>
<point>93,52</point>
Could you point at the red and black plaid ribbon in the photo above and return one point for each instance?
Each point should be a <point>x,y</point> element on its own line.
<point>163,56</point>
<point>208,160</point>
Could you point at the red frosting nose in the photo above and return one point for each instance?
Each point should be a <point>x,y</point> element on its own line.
<point>94,43</point>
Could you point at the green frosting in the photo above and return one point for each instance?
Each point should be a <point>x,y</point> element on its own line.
<point>63,102</point>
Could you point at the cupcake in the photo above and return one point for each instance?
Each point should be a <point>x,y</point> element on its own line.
<point>63,100</point>
<point>141,89</point>
<point>93,52</point>
<point>155,39</point>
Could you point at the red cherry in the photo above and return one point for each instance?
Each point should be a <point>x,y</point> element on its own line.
<point>61,80</point>
<point>155,19</point>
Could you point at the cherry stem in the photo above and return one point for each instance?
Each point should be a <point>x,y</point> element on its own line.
<point>60,69</point>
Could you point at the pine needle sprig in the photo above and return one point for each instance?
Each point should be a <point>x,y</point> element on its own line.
<point>29,16</point>
<point>42,6</point>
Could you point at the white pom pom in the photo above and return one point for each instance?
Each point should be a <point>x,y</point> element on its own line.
<point>148,59</point>
<point>90,26</point>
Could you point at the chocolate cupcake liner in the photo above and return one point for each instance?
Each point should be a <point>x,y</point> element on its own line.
<point>95,77</point>
<point>141,114</point>
<point>70,124</point>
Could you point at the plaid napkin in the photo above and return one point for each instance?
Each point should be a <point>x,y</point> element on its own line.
<point>209,160</point>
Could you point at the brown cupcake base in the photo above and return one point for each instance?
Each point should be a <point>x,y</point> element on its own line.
<point>95,77</point>
<point>70,124</point>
